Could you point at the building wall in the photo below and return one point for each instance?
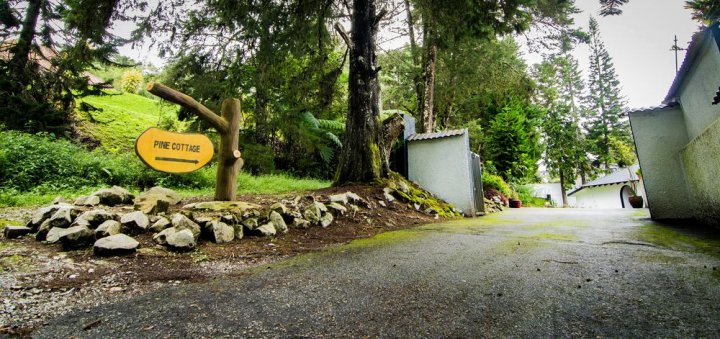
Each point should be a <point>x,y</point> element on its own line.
<point>542,190</point>
<point>442,167</point>
<point>701,160</point>
<point>599,197</point>
<point>660,135</point>
<point>699,88</point>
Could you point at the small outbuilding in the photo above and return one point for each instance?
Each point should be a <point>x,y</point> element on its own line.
<point>678,143</point>
<point>610,191</point>
<point>442,164</point>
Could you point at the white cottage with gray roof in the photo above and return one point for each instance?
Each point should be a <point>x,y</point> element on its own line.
<point>610,191</point>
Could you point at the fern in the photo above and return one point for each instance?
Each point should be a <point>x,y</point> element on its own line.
<point>321,135</point>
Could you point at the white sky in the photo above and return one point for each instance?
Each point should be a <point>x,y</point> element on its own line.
<point>639,42</point>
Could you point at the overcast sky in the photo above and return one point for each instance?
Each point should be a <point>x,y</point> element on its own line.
<point>639,43</point>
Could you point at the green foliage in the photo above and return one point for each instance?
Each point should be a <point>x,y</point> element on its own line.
<point>621,152</point>
<point>496,182</point>
<point>259,159</point>
<point>44,163</point>
<point>605,102</point>
<point>512,142</point>
<point>705,11</point>
<point>131,81</point>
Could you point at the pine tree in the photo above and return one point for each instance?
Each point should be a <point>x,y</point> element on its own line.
<point>561,89</point>
<point>606,105</point>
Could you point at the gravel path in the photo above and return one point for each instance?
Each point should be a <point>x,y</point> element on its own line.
<point>521,273</point>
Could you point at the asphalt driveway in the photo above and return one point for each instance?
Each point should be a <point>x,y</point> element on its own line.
<point>520,273</point>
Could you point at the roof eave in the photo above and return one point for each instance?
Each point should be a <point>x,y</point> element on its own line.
<point>693,52</point>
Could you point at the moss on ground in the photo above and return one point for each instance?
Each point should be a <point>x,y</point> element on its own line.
<point>412,195</point>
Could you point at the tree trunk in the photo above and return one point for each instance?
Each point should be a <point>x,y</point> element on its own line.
<point>417,77</point>
<point>360,158</point>
<point>563,192</point>
<point>392,127</point>
<point>229,161</point>
<point>21,50</point>
<point>227,125</point>
<point>429,96</point>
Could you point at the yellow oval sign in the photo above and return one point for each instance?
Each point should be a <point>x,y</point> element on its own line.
<point>173,152</point>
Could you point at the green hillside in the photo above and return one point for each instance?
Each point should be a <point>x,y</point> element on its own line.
<point>120,118</point>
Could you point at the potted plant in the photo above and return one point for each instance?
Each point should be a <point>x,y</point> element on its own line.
<point>636,201</point>
<point>515,201</point>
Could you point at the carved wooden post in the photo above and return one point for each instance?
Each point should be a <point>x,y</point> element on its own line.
<point>227,125</point>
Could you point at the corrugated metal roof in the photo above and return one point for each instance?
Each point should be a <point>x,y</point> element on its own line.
<point>693,52</point>
<point>437,135</point>
<point>620,176</point>
<point>652,108</point>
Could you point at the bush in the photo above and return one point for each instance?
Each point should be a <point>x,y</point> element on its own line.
<point>259,159</point>
<point>496,182</point>
<point>43,163</point>
<point>131,81</point>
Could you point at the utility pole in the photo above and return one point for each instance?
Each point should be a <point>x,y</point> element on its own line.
<point>676,49</point>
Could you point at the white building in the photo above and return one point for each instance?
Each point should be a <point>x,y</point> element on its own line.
<point>678,144</point>
<point>610,191</point>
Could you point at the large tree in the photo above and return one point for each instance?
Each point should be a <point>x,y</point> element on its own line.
<point>605,103</point>
<point>560,91</point>
<point>50,44</point>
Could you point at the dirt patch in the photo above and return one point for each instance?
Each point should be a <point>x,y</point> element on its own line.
<point>38,282</point>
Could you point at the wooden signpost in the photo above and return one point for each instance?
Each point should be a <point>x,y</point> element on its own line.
<point>173,152</point>
<point>227,125</point>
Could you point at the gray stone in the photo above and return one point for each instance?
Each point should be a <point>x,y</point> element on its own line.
<point>41,215</point>
<point>134,222</point>
<point>250,223</point>
<point>337,208</point>
<point>182,240</point>
<point>171,196</point>
<point>239,231</point>
<point>108,228</point>
<point>279,208</point>
<point>53,235</point>
<point>277,220</point>
<point>43,230</point>
<point>339,198</point>
<point>403,187</point>
<point>161,224</point>
<point>300,223</point>
<point>181,222</point>
<point>76,237</point>
<point>266,230</point>
<point>326,220</point>
<point>118,244</point>
<point>320,207</point>
<point>388,194</point>
<point>382,203</point>
<point>221,232</point>
<point>12,232</point>
<point>93,218</point>
<point>114,196</point>
<point>63,217</point>
<point>92,200</point>
<point>312,214</point>
<point>237,206</point>
<point>352,197</point>
<point>229,219</point>
<point>152,203</point>
<point>161,237</point>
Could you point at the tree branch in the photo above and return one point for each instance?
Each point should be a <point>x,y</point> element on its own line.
<point>182,99</point>
<point>344,35</point>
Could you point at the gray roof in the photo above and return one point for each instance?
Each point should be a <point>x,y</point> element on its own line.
<point>437,135</point>
<point>652,108</point>
<point>620,176</point>
<point>694,51</point>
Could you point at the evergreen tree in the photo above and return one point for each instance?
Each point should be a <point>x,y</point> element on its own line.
<point>606,105</point>
<point>561,89</point>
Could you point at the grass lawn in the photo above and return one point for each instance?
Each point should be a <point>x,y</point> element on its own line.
<point>120,119</point>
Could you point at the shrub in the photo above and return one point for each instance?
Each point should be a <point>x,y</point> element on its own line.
<point>259,159</point>
<point>42,162</point>
<point>131,81</point>
<point>496,182</point>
